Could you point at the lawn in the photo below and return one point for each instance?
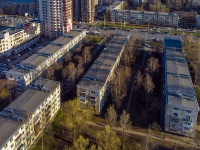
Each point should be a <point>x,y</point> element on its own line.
<point>121,25</point>
<point>95,39</point>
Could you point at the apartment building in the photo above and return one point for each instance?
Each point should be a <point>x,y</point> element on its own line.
<point>32,27</point>
<point>137,2</point>
<point>93,88</point>
<point>56,16</point>
<point>181,105</point>
<point>25,118</point>
<point>77,10</point>
<point>87,11</point>
<point>32,67</point>
<point>10,37</point>
<point>198,21</point>
<point>195,3</point>
<point>19,7</point>
<point>14,40</point>
<point>139,17</point>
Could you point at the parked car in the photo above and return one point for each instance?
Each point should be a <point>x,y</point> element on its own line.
<point>4,72</point>
<point>8,60</point>
<point>2,64</point>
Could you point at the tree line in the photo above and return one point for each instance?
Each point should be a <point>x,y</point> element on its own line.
<point>121,78</point>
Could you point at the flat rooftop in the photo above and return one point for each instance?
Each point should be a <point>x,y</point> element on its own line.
<point>41,56</point>
<point>114,5</point>
<point>59,43</point>
<point>180,89</point>
<point>97,75</point>
<point>23,106</point>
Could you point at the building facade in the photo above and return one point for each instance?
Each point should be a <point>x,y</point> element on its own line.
<point>198,21</point>
<point>32,67</point>
<point>25,118</point>
<point>14,40</point>
<point>9,38</point>
<point>77,10</point>
<point>93,88</point>
<point>181,105</point>
<point>56,16</point>
<point>87,11</point>
<point>19,7</point>
<point>140,17</point>
<point>137,2</point>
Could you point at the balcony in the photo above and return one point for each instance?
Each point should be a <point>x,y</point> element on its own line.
<point>187,120</point>
<point>174,117</point>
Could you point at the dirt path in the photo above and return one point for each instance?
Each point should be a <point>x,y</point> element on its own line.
<point>182,141</point>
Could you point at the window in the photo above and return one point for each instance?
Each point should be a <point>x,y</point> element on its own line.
<point>82,100</point>
<point>92,98</point>
<point>187,117</point>
<point>185,128</point>
<point>92,92</point>
<point>188,111</point>
<point>175,108</point>
<point>83,90</point>
<point>93,103</point>
<point>11,76</point>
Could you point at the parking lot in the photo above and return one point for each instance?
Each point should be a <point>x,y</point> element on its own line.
<point>7,63</point>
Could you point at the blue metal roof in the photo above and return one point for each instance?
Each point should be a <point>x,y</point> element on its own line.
<point>172,42</point>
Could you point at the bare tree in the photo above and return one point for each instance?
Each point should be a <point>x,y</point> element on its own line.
<point>125,123</point>
<point>111,116</point>
<point>49,72</point>
<point>118,87</point>
<point>152,129</point>
<point>87,55</point>
<point>153,65</point>
<point>138,80</point>
<point>148,86</point>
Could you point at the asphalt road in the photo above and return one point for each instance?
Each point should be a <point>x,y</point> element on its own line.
<point>138,33</point>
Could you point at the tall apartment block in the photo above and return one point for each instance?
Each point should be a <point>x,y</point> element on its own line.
<point>94,88</point>
<point>87,11</point>
<point>77,10</point>
<point>181,105</point>
<point>32,67</point>
<point>56,16</point>
<point>22,122</point>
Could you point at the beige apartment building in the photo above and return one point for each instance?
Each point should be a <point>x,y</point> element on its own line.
<point>9,38</point>
<point>14,40</point>
<point>93,88</point>
<point>32,67</point>
<point>23,121</point>
<point>56,16</point>
<point>87,11</point>
<point>181,105</point>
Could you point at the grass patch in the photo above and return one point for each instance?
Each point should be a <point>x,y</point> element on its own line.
<point>120,25</point>
<point>94,39</point>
